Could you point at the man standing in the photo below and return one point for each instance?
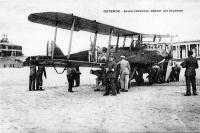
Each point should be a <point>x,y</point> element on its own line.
<point>32,77</point>
<point>77,76</point>
<point>39,74</point>
<point>125,71</point>
<point>177,70</point>
<point>111,77</point>
<point>70,78</point>
<point>190,64</point>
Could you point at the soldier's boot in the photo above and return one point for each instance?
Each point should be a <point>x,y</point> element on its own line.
<point>33,85</point>
<point>107,91</point>
<point>77,82</point>
<point>41,85</point>
<point>188,92</point>
<point>107,88</point>
<point>30,85</point>
<point>195,91</point>
<point>70,90</point>
<point>118,87</point>
<point>113,88</point>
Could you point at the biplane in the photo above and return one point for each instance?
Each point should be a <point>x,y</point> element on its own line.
<point>137,53</point>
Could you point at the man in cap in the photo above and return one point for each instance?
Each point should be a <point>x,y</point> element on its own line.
<point>32,77</point>
<point>77,76</point>
<point>125,71</point>
<point>39,81</point>
<point>71,77</point>
<point>190,64</point>
<point>110,77</point>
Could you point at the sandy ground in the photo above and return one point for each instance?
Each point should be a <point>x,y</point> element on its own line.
<point>154,108</point>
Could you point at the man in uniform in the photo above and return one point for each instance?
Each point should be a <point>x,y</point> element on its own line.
<point>32,77</point>
<point>177,69</point>
<point>111,77</point>
<point>190,64</point>
<point>77,76</point>
<point>70,78</point>
<point>125,71</point>
<point>39,81</point>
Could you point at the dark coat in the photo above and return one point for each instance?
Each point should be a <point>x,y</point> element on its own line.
<point>112,67</point>
<point>190,64</point>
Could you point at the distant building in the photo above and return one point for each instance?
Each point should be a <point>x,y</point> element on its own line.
<point>180,49</point>
<point>8,49</point>
<point>10,53</point>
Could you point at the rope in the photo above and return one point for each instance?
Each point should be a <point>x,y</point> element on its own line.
<point>57,70</point>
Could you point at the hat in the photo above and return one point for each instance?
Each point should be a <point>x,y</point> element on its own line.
<point>190,52</point>
<point>122,56</point>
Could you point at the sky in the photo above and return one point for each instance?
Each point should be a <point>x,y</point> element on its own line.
<point>33,37</point>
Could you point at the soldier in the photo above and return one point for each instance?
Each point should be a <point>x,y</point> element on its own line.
<point>125,71</point>
<point>32,77</point>
<point>117,81</point>
<point>70,78</point>
<point>111,77</point>
<point>190,64</point>
<point>39,82</point>
<point>177,70</point>
<point>77,76</point>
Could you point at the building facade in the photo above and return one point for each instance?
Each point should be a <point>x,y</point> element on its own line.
<point>10,54</point>
<point>8,49</point>
<point>179,49</point>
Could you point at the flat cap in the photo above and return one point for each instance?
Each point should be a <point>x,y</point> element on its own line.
<point>122,56</point>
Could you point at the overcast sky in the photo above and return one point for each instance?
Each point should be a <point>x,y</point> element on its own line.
<point>33,37</point>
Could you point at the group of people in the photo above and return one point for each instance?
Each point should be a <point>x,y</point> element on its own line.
<point>164,71</point>
<point>35,77</point>
<point>73,74</point>
<point>37,72</point>
<point>109,76</point>
<point>115,76</point>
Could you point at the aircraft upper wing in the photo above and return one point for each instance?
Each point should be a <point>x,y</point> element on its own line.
<point>64,21</point>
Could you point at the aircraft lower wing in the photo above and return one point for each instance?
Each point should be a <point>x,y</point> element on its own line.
<point>59,62</point>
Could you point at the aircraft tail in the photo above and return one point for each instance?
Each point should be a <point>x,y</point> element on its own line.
<point>57,51</point>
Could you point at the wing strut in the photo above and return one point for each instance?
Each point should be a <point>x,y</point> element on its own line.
<point>70,40</point>
<point>109,43</point>
<point>54,42</point>
<point>124,42</point>
<point>154,38</point>
<point>117,44</point>
<point>94,47</point>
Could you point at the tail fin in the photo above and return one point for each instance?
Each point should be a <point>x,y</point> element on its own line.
<point>57,51</point>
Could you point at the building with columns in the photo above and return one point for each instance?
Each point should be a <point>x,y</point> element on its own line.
<point>8,49</point>
<point>180,49</point>
<point>10,54</point>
